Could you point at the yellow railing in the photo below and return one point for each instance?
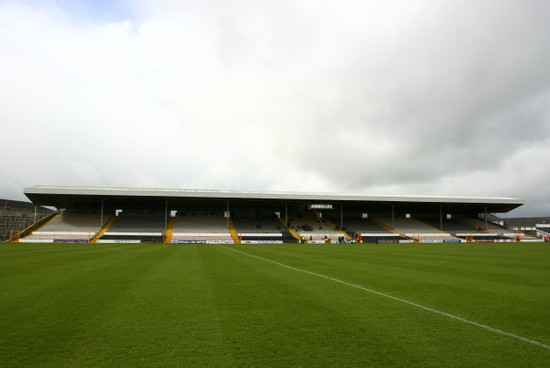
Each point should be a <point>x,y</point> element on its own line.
<point>233,232</point>
<point>103,229</point>
<point>291,230</point>
<point>331,224</point>
<point>169,230</point>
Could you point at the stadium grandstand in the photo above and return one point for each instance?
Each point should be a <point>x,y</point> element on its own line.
<point>114,215</point>
<point>17,216</point>
<point>535,226</point>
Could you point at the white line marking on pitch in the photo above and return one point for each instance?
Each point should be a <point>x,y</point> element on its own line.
<point>464,320</point>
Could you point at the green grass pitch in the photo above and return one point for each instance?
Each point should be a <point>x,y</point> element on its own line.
<point>146,305</point>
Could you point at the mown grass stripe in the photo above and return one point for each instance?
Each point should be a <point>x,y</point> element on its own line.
<point>401,300</point>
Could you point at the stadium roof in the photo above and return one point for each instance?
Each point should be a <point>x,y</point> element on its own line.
<point>71,197</point>
<point>20,205</point>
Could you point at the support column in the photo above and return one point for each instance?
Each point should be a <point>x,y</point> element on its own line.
<point>341,216</point>
<point>485,217</point>
<point>440,217</point>
<point>165,214</point>
<point>101,217</point>
<point>228,214</point>
<point>286,214</point>
<point>392,217</point>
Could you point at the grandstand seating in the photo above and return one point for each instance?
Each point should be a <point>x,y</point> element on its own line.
<point>18,215</point>
<point>370,231</point>
<point>201,228</point>
<point>256,224</point>
<point>449,225</point>
<point>136,227</point>
<point>67,226</point>
<point>478,231</point>
<point>314,229</point>
<point>479,223</point>
<point>11,222</point>
<point>261,228</point>
<point>415,229</point>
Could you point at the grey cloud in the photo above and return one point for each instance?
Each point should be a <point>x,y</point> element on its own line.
<point>399,97</point>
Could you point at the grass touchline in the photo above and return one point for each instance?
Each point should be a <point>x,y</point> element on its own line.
<point>168,305</point>
<point>496,330</point>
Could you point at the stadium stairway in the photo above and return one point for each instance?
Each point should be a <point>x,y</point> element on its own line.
<point>378,222</point>
<point>37,226</point>
<point>473,226</point>
<point>103,230</point>
<point>290,230</point>
<point>331,224</point>
<point>233,232</point>
<point>492,229</point>
<point>433,227</point>
<point>169,230</point>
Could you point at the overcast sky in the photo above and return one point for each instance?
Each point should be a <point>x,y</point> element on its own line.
<point>376,97</point>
